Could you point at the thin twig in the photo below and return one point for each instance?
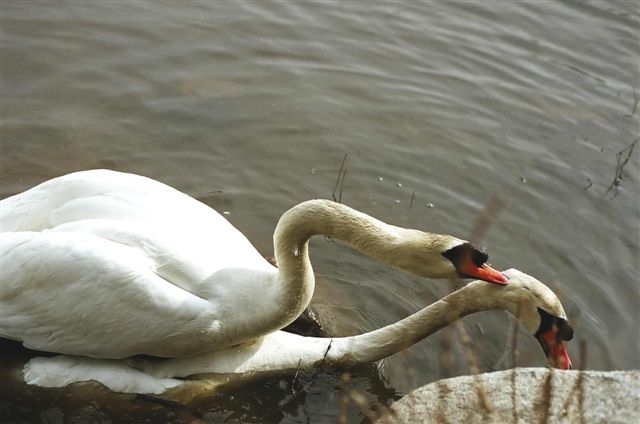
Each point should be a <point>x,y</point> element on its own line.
<point>324,358</point>
<point>344,177</point>
<point>295,377</point>
<point>622,158</point>
<point>296,393</point>
<point>315,375</point>
<point>342,173</point>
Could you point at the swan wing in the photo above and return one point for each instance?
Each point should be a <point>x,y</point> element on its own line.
<point>111,195</point>
<point>121,207</point>
<point>187,260</point>
<point>80,294</point>
<point>102,194</point>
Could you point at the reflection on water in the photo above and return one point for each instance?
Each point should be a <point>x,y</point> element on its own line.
<point>442,106</point>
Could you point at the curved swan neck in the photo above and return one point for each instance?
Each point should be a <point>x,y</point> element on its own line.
<point>334,220</point>
<point>280,350</point>
<point>322,217</point>
<point>370,347</point>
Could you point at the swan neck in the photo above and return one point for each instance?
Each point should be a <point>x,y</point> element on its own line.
<point>321,217</point>
<point>281,350</point>
<point>334,220</point>
<point>369,347</point>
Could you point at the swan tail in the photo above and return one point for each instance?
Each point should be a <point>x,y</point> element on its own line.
<point>116,375</point>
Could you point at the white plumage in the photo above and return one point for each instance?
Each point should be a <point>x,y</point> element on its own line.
<point>101,264</point>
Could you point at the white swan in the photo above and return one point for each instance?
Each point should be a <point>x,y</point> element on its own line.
<point>107,264</point>
<point>535,305</point>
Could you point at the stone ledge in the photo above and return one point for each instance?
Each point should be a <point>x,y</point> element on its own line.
<point>541,396</point>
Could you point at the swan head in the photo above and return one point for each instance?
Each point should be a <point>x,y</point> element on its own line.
<point>470,262</point>
<point>540,311</point>
<point>442,256</point>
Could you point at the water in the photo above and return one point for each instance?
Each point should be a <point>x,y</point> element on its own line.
<point>445,109</point>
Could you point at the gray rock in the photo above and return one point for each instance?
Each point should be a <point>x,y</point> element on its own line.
<point>541,396</point>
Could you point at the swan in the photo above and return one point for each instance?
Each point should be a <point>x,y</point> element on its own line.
<point>533,303</point>
<point>107,264</point>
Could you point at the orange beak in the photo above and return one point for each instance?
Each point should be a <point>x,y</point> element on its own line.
<point>555,349</point>
<point>484,272</point>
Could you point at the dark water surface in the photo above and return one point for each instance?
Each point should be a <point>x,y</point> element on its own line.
<point>445,109</point>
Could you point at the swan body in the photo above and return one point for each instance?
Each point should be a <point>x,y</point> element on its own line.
<point>533,303</point>
<point>109,265</point>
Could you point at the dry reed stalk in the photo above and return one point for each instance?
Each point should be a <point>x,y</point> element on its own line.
<point>361,401</point>
<point>481,391</point>
<point>409,377</point>
<point>443,391</point>
<point>514,362</point>
<point>446,355</point>
<point>483,221</point>
<point>543,405</point>
<point>580,380</point>
<point>479,228</point>
<point>345,399</point>
<point>578,386</point>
